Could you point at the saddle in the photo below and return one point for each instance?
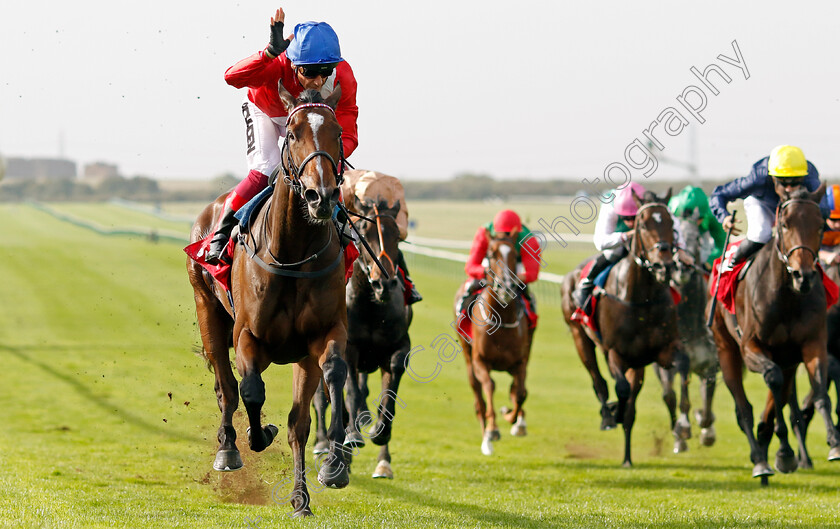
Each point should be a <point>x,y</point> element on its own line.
<point>464,321</point>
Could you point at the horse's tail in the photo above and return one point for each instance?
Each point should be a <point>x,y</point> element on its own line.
<point>199,351</point>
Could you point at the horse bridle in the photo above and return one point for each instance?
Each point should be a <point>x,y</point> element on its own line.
<point>497,280</point>
<point>292,172</point>
<point>642,260</point>
<point>376,218</point>
<point>780,250</point>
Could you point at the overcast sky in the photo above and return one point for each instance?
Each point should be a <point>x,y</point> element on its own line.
<point>536,89</point>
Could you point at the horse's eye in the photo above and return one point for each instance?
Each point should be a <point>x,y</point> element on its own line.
<point>292,136</point>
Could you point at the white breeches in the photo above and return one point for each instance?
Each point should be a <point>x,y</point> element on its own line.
<point>760,220</point>
<point>264,138</point>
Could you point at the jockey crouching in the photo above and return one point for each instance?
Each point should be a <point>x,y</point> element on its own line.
<point>692,202</point>
<point>613,232</point>
<point>787,167</point>
<point>309,61</point>
<point>506,224</point>
<point>830,246</point>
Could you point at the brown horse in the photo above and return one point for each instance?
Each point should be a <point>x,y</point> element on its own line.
<point>378,336</point>
<point>636,315</point>
<point>501,341</point>
<point>779,322</point>
<point>287,289</point>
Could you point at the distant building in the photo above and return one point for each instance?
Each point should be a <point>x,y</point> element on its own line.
<point>97,172</point>
<point>40,168</point>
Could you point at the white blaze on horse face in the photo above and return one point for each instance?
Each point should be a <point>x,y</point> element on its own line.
<point>315,121</point>
<point>657,216</point>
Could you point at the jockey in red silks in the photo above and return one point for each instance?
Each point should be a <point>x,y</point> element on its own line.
<point>505,224</point>
<point>311,60</point>
<point>830,244</point>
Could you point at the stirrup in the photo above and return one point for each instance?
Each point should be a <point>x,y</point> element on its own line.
<point>216,250</point>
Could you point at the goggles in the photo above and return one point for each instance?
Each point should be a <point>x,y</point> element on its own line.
<point>311,71</point>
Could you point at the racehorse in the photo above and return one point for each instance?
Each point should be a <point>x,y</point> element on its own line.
<point>379,319</point>
<point>779,322</point>
<point>500,341</point>
<point>287,293</point>
<point>696,351</point>
<point>807,411</point>
<point>636,315</point>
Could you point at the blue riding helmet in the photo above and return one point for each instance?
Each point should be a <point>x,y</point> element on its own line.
<point>314,43</point>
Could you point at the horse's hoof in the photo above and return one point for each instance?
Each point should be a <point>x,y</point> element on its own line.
<point>269,432</point>
<point>487,446</point>
<point>682,428</point>
<point>302,513</point>
<point>519,429</point>
<point>627,464</point>
<point>334,476</point>
<point>354,439</point>
<point>708,436</point>
<point>608,423</point>
<point>227,461</point>
<point>834,454</point>
<point>762,469</point>
<point>786,464</point>
<point>805,463</point>
<point>321,447</point>
<point>680,446</point>
<point>383,470</point>
<point>495,435</point>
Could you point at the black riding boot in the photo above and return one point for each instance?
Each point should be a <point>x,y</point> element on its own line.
<point>469,294</point>
<point>413,296</point>
<point>584,288</point>
<point>746,250</point>
<point>221,237</point>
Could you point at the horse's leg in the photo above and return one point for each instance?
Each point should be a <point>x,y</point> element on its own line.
<point>252,389</point>
<point>816,363</point>
<point>306,377</point>
<point>586,351</point>
<point>705,417</point>
<point>731,367</point>
<point>491,431</point>
<point>518,394</point>
<point>779,386</point>
<point>383,467</point>
<point>320,403</point>
<point>635,377</point>
<point>669,397</point>
<point>622,386</point>
<point>387,400</point>
<point>354,397</point>
<point>834,376</point>
<point>480,405</point>
<point>334,472</point>
<point>215,326</point>
<point>683,428</point>
<point>364,412</point>
<point>800,428</point>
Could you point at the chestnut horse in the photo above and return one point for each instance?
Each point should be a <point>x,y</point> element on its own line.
<point>501,341</point>
<point>636,315</point>
<point>696,352</point>
<point>287,289</point>
<point>377,337</point>
<point>779,322</point>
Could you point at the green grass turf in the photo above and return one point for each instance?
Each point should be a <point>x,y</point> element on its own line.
<point>96,333</point>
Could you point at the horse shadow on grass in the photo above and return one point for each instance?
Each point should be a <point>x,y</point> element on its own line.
<point>104,404</point>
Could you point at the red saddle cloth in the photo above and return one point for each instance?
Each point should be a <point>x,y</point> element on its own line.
<point>221,271</point>
<point>729,280</point>
<point>588,317</point>
<point>465,323</point>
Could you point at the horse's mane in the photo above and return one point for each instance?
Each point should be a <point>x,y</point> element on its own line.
<point>311,96</point>
<point>800,192</point>
<point>650,197</point>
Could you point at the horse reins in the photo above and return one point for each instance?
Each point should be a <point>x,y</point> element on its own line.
<point>292,172</point>
<point>780,251</point>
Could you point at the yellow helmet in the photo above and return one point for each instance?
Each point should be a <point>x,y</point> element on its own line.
<point>787,161</point>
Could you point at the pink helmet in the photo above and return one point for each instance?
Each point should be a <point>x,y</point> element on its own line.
<point>624,203</point>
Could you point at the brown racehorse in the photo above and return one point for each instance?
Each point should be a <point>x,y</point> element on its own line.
<point>779,322</point>
<point>800,422</point>
<point>501,341</point>
<point>378,336</point>
<point>636,315</point>
<point>288,291</point>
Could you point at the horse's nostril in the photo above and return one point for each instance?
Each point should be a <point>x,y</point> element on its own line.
<point>312,196</point>
<point>334,196</point>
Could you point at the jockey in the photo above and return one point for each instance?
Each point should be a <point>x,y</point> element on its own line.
<point>613,230</point>
<point>690,200</point>
<point>310,60</point>
<point>830,247</point>
<point>787,166</point>
<point>506,223</point>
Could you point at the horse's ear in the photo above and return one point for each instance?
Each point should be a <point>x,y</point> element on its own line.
<point>636,198</point>
<point>332,99</point>
<point>668,196</point>
<point>289,101</point>
<point>818,195</point>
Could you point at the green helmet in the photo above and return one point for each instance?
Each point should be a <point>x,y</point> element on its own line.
<point>690,200</point>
